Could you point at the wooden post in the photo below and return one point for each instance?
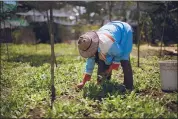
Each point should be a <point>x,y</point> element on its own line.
<point>0,40</point>
<point>48,25</point>
<point>34,22</point>
<point>110,5</point>
<point>7,46</point>
<point>52,57</point>
<point>5,34</point>
<point>162,37</point>
<point>138,34</point>
<point>88,13</point>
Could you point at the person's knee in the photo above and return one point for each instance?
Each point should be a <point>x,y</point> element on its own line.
<point>125,63</point>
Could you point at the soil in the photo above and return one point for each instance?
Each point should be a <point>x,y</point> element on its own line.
<point>171,106</point>
<point>36,112</point>
<point>146,50</point>
<point>154,93</point>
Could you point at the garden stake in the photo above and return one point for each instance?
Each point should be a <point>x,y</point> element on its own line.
<point>53,95</point>
<point>52,57</point>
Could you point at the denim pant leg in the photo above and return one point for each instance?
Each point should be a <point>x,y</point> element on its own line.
<point>102,67</point>
<point>128,75</point>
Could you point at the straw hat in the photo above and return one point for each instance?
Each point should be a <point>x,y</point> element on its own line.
<point>88,44</point>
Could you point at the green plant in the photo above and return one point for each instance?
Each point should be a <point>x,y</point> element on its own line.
<point>25,87</point>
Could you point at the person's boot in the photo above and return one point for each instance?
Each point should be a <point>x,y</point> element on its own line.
<point>128,75</point>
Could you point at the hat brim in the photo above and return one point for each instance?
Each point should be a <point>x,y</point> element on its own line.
<point>93,47</point>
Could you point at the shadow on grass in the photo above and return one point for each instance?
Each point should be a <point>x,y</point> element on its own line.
<point>97,92</point>
<point>38,59</point>
<point>34,60</point>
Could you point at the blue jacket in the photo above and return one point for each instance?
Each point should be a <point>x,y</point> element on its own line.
<point>115,51</point>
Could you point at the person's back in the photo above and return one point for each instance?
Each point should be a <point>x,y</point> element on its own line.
<point>121,32</point>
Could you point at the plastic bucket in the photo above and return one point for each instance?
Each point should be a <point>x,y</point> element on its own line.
<point>168,75</point>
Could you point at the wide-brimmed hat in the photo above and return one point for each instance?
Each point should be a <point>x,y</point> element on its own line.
<point>88,44</point>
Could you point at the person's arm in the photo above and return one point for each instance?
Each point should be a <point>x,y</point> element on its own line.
<point>90,63</point>
<point>116,51</point>
<point>114,66</point>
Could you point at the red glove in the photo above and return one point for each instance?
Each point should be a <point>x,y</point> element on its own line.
<point>113,66</point>
<point>86,78</point>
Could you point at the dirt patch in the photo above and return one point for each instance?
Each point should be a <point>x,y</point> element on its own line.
<point>172,106</point>
<point>154,93</point>
<point>146,50</point>
<point>65,97</point>
<point>36,112</point>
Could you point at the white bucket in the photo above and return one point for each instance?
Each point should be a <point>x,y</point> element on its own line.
<point>168,75</point>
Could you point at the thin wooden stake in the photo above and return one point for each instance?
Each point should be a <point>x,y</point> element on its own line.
<point>138,34</point>
<point>7,49</point>
<point>162,37</point>
<point>53,95</point>
<point>34,22</point>
<point>0,40</point>
<point>48,25</point>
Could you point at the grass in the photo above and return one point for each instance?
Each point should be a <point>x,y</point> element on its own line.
<point>25,87</point>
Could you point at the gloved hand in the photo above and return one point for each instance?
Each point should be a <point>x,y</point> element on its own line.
<point>86,78</point>
<point>114,66</point>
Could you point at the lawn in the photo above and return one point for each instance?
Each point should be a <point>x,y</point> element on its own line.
<point>25,87</point>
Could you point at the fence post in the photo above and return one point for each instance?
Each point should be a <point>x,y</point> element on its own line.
<point>138,34</point>
<point>52,57</point>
